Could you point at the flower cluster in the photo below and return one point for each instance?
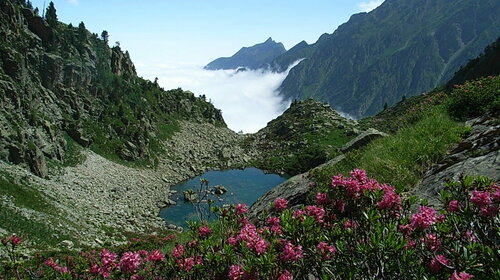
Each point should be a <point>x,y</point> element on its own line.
<point>354,228</point>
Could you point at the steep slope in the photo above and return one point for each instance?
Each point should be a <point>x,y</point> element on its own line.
<point>253,57</point>
<point>58,80</point>
<point>401,48</point>
<point>299,51</point>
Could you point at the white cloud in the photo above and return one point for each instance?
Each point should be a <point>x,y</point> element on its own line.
<point>369,5</point>
<point>248,99</point>
<point>74,2</point>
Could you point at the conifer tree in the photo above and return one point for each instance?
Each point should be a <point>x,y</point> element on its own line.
<point>29,5</point>
<point>105,36</point>
<point>51,15</point>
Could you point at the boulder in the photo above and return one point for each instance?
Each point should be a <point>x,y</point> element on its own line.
<point>67,244</point>
<point>476,155</point>
<point>190,196</point>
<point>36,161</point>
<point>220,190</point>
<point>362,140</point>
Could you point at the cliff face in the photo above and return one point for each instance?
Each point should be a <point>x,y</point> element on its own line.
<point>59,81</point>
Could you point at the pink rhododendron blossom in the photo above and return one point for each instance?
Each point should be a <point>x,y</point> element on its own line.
<point>480,198</point>
<point>186,264</point>
<point>438,263</point>
<point>130,262</point>
<point>204,231</point>
<point>286,275</point>
<point>108,258</point>
<point>252,239</point>
<point>433,242</point>
<point>299,214</point>
<point>240,208</point>
<point>15,240</point>
<point>453,206</point>
<point>391,199</point>
<point>489,211</point>
<point>291,253</point>
<point>137,277</point>
<point>322,199</point>
<point>461,276</point>
<point>318,213</point>
<point>496,192</point>
<point>280,204</point>
<point>325,250</point>
<point>424,218</point>
<point>178,251</point>
<point>359,175</point>
<point>52,264</point>
<point>94,269</point>
<point>349,224</point>
<point>469,235</point>
<point>274,222</point>
<point>236,272</point>
<point>232,241</point>
<point>155,256</point>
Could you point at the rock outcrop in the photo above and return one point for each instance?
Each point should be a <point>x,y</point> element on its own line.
<point>476,155</point>
<point>362,140</point>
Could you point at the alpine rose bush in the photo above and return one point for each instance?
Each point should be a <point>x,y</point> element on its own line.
<point>354,228</point>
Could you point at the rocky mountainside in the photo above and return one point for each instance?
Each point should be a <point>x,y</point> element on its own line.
<point>401,48</point>
<point>254,57</point>
<point>307,134</point>
<point>60,83</point>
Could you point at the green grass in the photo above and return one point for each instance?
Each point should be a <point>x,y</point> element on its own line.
<point>400,159</point>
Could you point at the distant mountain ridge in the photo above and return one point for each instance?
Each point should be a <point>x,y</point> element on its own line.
<point>253,57</point>
<point>402,48</point>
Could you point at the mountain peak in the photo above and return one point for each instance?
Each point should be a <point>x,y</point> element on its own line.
<point>253,57</point>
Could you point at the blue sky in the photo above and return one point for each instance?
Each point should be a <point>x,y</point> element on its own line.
<point>198,31</point>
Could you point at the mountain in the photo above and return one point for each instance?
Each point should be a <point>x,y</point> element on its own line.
<point>62,84</point>
<point>299,51</point>
<point>402,48</point>
<point>253,57</point>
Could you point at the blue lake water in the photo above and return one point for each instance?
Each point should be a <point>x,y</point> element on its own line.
<point>244,186</point>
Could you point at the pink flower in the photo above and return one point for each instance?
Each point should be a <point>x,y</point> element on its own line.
<point>348,224</point>
<point>137,277</point>
<point>424,218</point>
<point>130,262</point>
<point>274,222</point>
<point>240,208</point>
<point>322,199</point>
<point>94,269</point>
<point>15,240</point>
<point>299,214</point>
<point>438,263</point>
<point>204,231</point>
<point>391,200</point>
<point>291,253</point>
<point>186,264</point>
<point>280,204</point>
<point>178,251</point>
<point>433,242</point>
<point>480,198</point>
<point>325,250</point>
<point>236,272</point>
<point>252,239</point>
<point>496,192</point>
<point>469,235</point>
<point>232,241</point>
<point>286,275</point>
<point>52,264</point>
<point>489,211</point>
<point>461,276</point>
<point>317,212</point>
<point>108,260</point>
<point>359,175</point>
<point>156,256</point>
<point>453,206</point>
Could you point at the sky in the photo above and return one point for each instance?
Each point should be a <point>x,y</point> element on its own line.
<point>174,39</point>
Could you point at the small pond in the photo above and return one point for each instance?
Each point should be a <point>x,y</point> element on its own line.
<point>243,186</point>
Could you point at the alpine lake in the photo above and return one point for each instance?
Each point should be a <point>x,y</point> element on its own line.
<point>224,187</point>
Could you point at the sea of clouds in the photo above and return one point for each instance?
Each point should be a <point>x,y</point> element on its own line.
<point>248,99</point>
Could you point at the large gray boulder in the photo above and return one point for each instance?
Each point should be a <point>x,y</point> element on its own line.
<point>476,155</point>
<point>362,140</point>
<point>294,190</point>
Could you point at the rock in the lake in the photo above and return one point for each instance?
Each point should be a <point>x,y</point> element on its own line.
<point>220,190</point>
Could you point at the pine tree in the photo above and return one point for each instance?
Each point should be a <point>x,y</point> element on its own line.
<point>51,15</point>
<point>82,32</point>
<point>29,5</point>
<point>105,36</point>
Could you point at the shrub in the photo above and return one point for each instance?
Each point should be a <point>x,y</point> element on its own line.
<point>356,228</point>
<point>475,98</point>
